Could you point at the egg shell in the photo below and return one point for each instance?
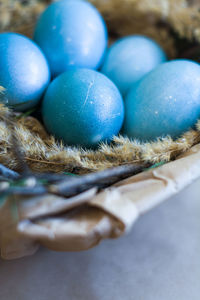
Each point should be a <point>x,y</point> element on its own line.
<point>71,34</point>
<point>24,71</point>
<point>130,58</point>
<point>165,102</point>
<point>83,107</point>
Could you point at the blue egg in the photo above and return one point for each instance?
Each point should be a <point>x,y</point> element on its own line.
<point>83,107</point>
<point>130,58</point>
<point>24,71</point>
<point>71,34</point>
<point>165,102</point>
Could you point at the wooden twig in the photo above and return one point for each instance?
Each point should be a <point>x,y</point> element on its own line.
<point>68,186</point>
<point>76,185</point>
<point>6,173</point>
<point>26,191</point>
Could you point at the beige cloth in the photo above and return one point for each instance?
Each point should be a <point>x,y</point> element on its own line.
<point>82,222</point>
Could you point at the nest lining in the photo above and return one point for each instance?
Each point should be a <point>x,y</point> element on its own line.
<point>44,154</point>
<point>41,151</point>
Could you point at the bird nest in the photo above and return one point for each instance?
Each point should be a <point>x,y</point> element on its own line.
<point>57,195</point>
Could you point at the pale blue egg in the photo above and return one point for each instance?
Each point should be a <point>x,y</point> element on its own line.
<point>130,58</point>
<point>71,34</point>
<point>165,102</point>
<point>83,107</point>
<point>24,71</point>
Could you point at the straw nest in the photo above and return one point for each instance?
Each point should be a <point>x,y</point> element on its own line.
<point>167,21</point>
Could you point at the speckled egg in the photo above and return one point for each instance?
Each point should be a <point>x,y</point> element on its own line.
<point>24,71</point>
<point>71,34</point>
<point>165,102</point>
<point>83,107</point>
<point>130,58</point>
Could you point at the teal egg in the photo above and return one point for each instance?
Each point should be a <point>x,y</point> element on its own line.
<point>83,107</point>
<point>130,58</point>
<point>24,72</point>
<point>165,102</point>
<point>71,34</point>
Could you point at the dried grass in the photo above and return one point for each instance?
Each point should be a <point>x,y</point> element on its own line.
<point>155,18</point>
<point>44,154</point>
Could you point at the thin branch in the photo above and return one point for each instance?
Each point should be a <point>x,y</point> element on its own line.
<point>102,179</point>
<point>7,173</point>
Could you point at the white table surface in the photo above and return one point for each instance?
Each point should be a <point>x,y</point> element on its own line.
<point>158,260</point>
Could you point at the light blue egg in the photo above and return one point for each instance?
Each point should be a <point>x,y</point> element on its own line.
<point>165,102</point>
<point>83,107</point>
<point>24,71</point>
<point>71,34</point>
<point>130,58</point>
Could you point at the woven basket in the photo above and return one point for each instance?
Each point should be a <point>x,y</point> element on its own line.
<point>104,205</point>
